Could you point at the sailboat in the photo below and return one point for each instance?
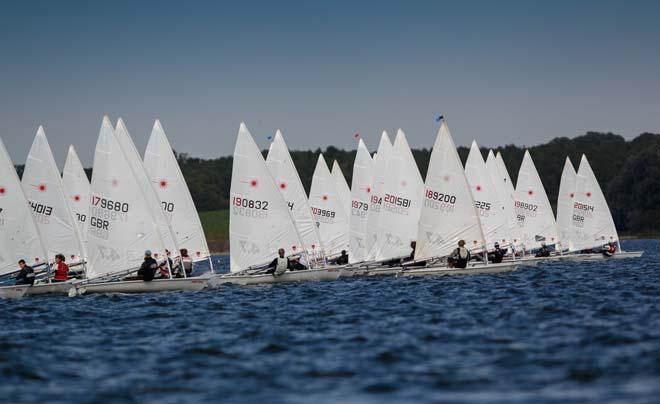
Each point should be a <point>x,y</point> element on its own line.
<point>533,210</point>
<point>329,215</point>
<point>19,234</point>
<point>280,164</point>
<point>492,214</point>
<point>378,183</point>
<point>401,203</point>
<point>500,179</point>
<point>591,224</point>
<point>76,187</point>
<point>342,187</point>
<point>260,222</point>
<point>44,190</point>
<point>174,196</point>
<point>449,214</point>
<point>565,204</point>
<point>124,222</point>
<point>361,191</point>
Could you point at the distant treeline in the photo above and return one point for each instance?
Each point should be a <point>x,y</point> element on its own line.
<point>628,171</point>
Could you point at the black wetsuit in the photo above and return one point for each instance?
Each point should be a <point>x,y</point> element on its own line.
<point>273,266</point>
<point>148,269</point>
<point>342,259</point>
<point>543,252</point>
<point>25,276</point>
<point>459,261</point>
<point>496,256</point>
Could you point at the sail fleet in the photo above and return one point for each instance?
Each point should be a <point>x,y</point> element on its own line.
<point>389,221</point>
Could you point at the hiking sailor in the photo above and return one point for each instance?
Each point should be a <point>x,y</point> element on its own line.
<point>25,275</point>
<point>185,262</point>
<point>544,251</point>
<point>342,259</point>
<point>61,269</point>
<point>148,268</point>
<point>497,255</point>
<point>609,249</point>
<point>460,257</point>
<point>411,258</point>
<point>279,265</point>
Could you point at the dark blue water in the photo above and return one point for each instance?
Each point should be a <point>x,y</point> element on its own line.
<point>580,332</point>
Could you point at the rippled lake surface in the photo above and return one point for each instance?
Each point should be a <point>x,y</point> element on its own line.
<point>557,332</point>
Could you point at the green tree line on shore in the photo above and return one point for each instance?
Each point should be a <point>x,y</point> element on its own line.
<point>628,172</point>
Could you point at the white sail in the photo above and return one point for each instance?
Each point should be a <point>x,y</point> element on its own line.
<point>135,163</point>
<point>44,190</point>
<point>565,203</point>
<point>260,222</point>
<point>401,206</point>
<point>76,187</point>
<point>19,235</point>
<point>487,200</point>
<point>378,183</point>
<point>533,210</point>
<point>448,213</point>
<point>175,199</point>
<point>122,222</point>
<point>592,221</point>
<point>327,210</point>
<point>506,194</point>
<point>288,181</point>
<point>361,191</point>
<point>342,187</point>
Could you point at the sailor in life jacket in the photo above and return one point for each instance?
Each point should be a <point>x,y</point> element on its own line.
<point>183,263</point>
<point>61,269</point>
<point>460,257</point>
<point>279,265</point>
<point>609,249</point>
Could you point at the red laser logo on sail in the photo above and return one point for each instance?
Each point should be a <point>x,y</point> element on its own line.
<point>42,187</point>
<point>163,183</point>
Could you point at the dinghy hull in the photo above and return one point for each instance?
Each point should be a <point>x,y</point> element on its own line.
<point>13,292</point>
<point>157,285</point>
<point>474,270</point>
<point>326,274</point>
<point>599,257</point>
<point>47,288</point>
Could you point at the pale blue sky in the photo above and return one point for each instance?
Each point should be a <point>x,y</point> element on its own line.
<point>502,72</point>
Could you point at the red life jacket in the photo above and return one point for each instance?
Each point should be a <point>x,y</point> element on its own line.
<point>62,273</point>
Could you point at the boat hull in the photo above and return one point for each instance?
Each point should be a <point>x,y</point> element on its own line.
<point>48,288</point>
<point>599,257</point>
<point>324,274</point>
<point>13,292</point>
<point>157,285</point>
<point>473,270</point>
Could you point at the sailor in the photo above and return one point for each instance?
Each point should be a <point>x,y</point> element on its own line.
<point>411,258</point>
<point>61,269</point>
<point>609,249</point>
<point>148,268</point>
<point>25,275</point>
<point>544,251</point>
<point>497,255</point>
<point>460,257</point>
<point>166,266</point>
<point>342,259</point>
<point>186,262</point>
<point>298,263</point>
<point>279,265</point>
